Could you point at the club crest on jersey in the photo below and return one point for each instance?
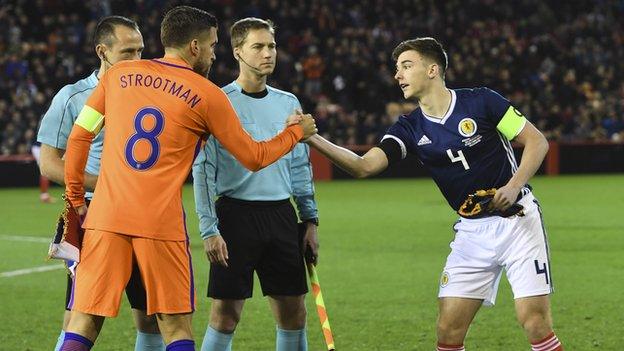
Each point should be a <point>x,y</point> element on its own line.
<point>444,279</point>
<point>467,127</point>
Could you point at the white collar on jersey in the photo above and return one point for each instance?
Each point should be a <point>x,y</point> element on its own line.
<point>448,113</point>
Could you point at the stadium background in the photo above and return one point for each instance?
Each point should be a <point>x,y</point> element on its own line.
<point>384,241</point>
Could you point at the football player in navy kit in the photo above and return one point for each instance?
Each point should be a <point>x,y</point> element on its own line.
<point>463,138</point>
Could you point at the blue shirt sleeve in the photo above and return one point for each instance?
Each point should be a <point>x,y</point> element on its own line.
<point>495,104</point>
<point>401,132</point>
<point>58,121</point>
<point>204,189</point>
<point>301,179</point>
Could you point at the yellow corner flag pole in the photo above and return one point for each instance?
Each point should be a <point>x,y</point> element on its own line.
<point>320,307</point>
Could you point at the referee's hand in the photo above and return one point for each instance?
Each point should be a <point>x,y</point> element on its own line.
<point>216,250</point>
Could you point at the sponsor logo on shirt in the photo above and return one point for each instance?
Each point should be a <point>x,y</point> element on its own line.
<point>424,141</point>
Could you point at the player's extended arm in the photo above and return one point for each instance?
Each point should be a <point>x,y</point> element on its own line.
<point>253,155</point>
<point>535,149</point>
<point>76,157</point>
<point>52,166</point>
<point>373,162</point>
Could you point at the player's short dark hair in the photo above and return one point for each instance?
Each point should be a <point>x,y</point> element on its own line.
<point>427,47</point>
<point>240,29</point>
<point>183,24</point>
<point>105,29</point>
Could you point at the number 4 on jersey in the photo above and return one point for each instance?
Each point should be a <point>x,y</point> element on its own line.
<point>459,158</point>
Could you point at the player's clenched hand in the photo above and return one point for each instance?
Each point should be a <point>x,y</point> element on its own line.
<point>295,118</point>
<point>309,126</point>
<point>310,242</point>
<point>216,250</point>
<point>505,197</point>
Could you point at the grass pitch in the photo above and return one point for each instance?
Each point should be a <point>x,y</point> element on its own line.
<point>383,245</point>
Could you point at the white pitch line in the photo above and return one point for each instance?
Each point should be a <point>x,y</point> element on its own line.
<point>32,239</point>
<point>31,270</point>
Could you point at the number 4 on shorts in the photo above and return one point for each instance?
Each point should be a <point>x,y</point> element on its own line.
<point>542,270</point>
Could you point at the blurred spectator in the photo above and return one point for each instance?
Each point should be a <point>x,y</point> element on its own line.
<point>560,63</point>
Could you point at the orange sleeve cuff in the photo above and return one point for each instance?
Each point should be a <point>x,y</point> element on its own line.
<point>76,156</point>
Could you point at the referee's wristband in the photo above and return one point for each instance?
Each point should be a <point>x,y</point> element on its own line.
<point>315,221</point>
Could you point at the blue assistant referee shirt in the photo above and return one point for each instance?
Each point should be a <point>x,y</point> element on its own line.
<point>58,121</point>
<point>217,173</point>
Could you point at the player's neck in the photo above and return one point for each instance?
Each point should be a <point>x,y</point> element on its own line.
<point>171,53</point>
<point>251,82</point>
<point>436,102</point>
<point>102,70</point>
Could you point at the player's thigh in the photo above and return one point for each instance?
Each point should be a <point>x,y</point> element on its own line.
<point>471,270</point>
<point>281,270</point>
<point>527,259</point>
<point>455,315</point>
<point>167,274</point>
<point>102,274</point>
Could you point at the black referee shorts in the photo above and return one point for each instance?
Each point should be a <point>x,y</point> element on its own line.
<point>261,236</point>
<point>135,291</point>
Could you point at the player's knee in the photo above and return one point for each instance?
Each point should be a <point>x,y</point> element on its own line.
<point>293,320</point>
<point>224,322</point>
<point>536,326</point>
<point>147,324</point>
<point>450,332</point>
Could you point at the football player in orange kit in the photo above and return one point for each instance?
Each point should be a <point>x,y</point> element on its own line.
<point>157,112</point>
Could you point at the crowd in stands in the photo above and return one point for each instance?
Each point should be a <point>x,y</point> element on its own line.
<point>560,62</point>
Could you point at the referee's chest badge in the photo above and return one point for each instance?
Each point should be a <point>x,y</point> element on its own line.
<point>467,127</point>
<point>444,279</point>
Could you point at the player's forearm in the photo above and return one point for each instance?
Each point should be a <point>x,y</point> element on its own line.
<point>76,157</point>
<point>344,158</point>
<point>533,155</point>
<point>53,167</point>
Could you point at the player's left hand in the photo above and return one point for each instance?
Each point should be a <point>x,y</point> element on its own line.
<point>295,118</point>
<point>505,197</point>
<point>216,250</point>
<point>310,242</point>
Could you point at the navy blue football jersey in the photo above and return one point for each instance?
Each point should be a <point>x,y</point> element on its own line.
<point>468,149</point>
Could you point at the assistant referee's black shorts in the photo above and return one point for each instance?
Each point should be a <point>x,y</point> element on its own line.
<point>261,236</point>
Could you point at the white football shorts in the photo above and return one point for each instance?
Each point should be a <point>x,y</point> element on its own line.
<point>484,246</point>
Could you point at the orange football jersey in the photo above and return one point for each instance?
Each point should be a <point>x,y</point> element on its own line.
<point>156,113</point>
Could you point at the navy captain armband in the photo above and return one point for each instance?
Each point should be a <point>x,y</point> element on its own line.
<point>392,149</point>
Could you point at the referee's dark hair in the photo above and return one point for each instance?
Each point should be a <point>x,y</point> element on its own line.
<point>428,48</point>
<point>105,30</point>
<point>240,29</point>
<point>183,24</point>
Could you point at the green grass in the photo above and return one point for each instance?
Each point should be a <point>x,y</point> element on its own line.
<point>383,245</point>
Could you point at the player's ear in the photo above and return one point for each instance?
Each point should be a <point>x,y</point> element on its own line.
<point>100,50</point>
<point>194,47</point>
<point>236,53</point>
<point>433,71</point>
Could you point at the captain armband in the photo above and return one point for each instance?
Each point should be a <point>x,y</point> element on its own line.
<point>512,123</point>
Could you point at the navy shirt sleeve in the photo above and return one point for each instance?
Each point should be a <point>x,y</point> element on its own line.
<point>495,105</point>
<point>401,133</point>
